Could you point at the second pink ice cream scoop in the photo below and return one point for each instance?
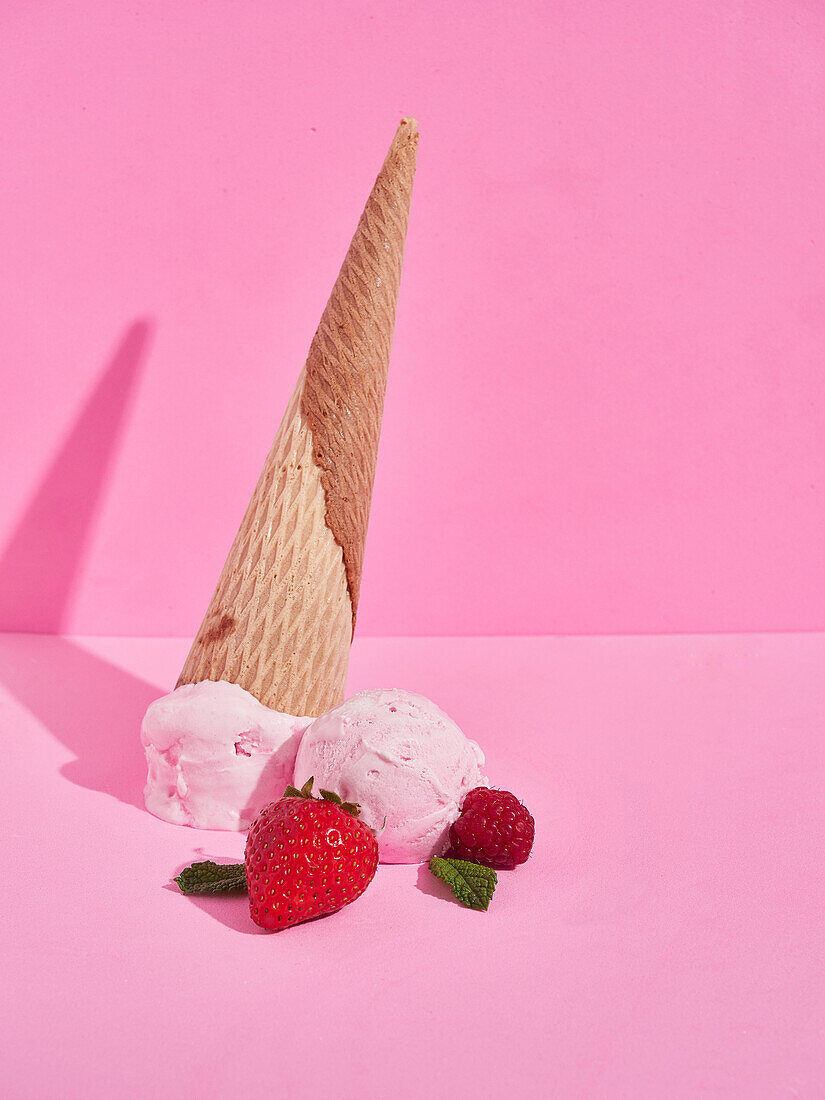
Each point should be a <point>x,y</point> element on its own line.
<point>402,759</point>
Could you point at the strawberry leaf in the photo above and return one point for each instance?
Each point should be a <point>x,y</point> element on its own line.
<point>331,796</point>
<point>212,878</point>
<point>292,792</point>
<point>471,883</point>
<point>306,790</point>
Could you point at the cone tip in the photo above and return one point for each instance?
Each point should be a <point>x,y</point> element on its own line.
<point>407,132</point>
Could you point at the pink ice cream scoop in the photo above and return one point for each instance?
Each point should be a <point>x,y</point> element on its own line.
<point>399,756</point>
<point>216,755</point>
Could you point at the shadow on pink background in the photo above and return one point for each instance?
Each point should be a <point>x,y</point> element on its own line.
<point>41,564</point>
<point>91,706</point>
<point>605,410</point>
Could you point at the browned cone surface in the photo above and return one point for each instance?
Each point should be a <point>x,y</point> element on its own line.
<point>346,369</point>
<point>281,618</point>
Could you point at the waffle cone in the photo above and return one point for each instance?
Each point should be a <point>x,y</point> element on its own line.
<point>281,619</point>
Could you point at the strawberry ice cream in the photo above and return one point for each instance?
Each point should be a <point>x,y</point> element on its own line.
<point>216,755</point>
<point>402,759</point>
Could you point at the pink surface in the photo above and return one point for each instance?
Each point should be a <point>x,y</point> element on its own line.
<point>664,940</point>
<point>605,409</point>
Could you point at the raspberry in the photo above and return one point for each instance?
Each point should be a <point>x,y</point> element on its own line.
<point>494,829</point>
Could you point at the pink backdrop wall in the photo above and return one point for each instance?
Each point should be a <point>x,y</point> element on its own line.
<point>606,409</point>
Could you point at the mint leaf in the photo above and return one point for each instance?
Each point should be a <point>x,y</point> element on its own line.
<point>212,878</point>
<point>471,883</point>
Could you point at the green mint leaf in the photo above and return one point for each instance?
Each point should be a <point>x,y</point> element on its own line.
<point>212,878</point>
<point>471,883</point>
<point>330,796</point>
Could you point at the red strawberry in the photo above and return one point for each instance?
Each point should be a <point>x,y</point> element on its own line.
<point>305,857</point>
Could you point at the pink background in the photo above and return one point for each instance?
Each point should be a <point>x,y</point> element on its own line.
<point>606,414</point>
<point>606,410</point>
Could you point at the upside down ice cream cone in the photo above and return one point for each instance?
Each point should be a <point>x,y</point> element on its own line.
<point>281,619</point>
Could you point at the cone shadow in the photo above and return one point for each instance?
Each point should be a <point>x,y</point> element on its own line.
<point>40,565</point>
<point>93,707</point>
